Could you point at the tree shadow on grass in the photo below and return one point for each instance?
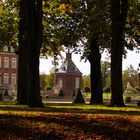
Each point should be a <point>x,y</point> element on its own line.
<point>72,120</point>
<point>69,126</point>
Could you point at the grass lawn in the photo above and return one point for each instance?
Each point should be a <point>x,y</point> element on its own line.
<point>69,122</point>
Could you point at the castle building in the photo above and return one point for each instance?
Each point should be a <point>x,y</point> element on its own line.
<point>68,77</point>
<point>8,68</point>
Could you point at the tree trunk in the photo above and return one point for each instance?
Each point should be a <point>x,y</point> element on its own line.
<point>30,39</point>
<point>35,36</point>
<point>22,58</point>
<point>119,14</point>
<point>95,73</point>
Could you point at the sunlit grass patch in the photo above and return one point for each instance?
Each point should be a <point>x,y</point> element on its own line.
<point>71,108</point>
<point>93,108</point>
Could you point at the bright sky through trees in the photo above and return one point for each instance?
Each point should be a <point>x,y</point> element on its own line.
<point>133,59</point>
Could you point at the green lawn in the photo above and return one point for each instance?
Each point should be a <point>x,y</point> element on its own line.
<point>135,97</point>
<point>65,121</point>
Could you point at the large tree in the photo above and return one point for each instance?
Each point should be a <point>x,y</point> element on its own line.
<point>119,10</point>
<point>31,38</point>
<point>97,20</point>
<point>94,22</point>
<point>78,22</point>
<point>34,33</point>
<point>94,58</point>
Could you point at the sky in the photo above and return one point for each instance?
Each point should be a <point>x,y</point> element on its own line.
<point>133,59</point>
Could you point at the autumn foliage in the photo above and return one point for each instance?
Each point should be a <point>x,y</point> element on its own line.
<point>68,126</point>
<point>51,123</point>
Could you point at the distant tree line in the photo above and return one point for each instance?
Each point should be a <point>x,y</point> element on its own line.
<point>129,75</point>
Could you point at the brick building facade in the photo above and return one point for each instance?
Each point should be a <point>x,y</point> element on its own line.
<point>8,68</point>
<point>68,77</point>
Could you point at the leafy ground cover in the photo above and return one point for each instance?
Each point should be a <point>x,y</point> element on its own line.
<point>68,122</point>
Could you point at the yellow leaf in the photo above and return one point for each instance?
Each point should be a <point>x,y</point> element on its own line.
<point>62,7</point>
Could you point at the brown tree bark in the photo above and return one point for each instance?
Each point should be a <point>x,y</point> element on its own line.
<point>30,39</point>
<point>94,58</point>
<point>34,35</point>
<point>119,14</point>
<point>22,58</point>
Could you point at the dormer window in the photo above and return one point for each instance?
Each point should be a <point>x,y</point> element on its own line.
<point>5,49</point>
<point>75,69</point>
<point>12,49</point>
<point>56,69</point>
<point>63,68</point>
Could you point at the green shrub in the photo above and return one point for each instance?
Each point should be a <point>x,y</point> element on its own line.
<point>107,89</point>
<point>79,98</point>
<point>128,99</point>
<point>61,94</point>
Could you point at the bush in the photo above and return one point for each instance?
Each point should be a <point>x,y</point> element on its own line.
<point>87,89</point>
<point>79,97</point>
<point>128,99</point>
<point>107,89</point>
<point>61,94</point>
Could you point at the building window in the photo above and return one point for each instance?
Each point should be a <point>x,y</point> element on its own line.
<point>13,62</point>
<point>63,68</point>
<point>60,82</point>
<point>6,62</point>
<point>12,49</point>
<point>13,78</point>
<point>77,83</point>
<point>6,78</point>
<point>0,62</point>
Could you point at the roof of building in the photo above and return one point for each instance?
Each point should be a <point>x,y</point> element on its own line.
<point>7,49</point>
<point>68,66</point>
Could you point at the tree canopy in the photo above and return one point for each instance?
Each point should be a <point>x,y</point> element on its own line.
<point>91,24</point>
<point>9,23</point>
